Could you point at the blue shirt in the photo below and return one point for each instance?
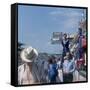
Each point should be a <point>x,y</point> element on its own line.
<point>52,71</point>
<point>68,66</point>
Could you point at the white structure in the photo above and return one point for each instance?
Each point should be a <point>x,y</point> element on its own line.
<point>56,37</point>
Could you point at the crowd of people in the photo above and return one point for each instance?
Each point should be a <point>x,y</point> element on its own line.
<point>57,69</point>
<point>70,61</point>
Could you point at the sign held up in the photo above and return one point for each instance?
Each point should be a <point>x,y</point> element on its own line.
<point>56,37</point>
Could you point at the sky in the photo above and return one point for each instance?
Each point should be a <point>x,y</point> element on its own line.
<point>36,25</point>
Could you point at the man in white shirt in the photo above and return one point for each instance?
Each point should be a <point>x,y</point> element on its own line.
<point>27,72</point>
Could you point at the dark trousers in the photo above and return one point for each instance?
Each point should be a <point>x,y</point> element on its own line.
<point>53,79</point>
<point>67,77</point>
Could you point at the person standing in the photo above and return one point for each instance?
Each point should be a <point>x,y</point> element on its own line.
<point>27,72</point>
<point>65,44</point>
<point>60,74</point>
<point>68,68</point>
<point>52,70</point>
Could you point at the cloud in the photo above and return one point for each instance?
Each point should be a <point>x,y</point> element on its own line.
<point>66,12</point>
<point>66,18</point>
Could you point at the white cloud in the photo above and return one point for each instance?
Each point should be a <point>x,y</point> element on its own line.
<point>66,18</point>
<point>71,23</point>
<point>66,12</point>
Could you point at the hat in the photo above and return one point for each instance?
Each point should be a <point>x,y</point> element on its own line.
<point>29,54</point>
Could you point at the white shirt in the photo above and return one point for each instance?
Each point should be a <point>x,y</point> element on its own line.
<point>27,76</point>
<point>59,64</point>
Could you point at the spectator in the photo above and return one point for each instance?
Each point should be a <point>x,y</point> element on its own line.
<point>80,37</point>
<point>68,68</point>
<point>52,70</point>
<point>59,63</point>
<point>65,44</point>
<point>27,72</point>
<point>60,75</point>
